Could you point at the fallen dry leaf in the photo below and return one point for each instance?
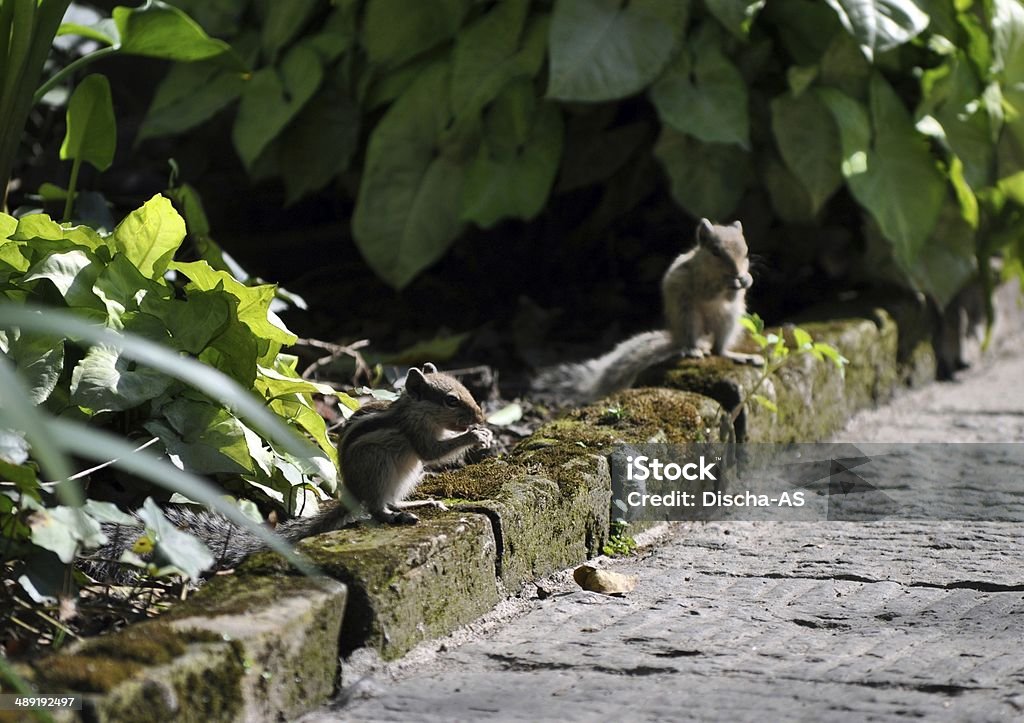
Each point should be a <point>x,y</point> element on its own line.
<point>603,581</point>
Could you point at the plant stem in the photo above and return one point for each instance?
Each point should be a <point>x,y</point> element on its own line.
<point>72,189</point>
<point>70,68</point>
<point>769,370</point>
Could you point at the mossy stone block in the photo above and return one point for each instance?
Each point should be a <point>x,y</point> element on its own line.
<point>243,648</point>
<point>549,500</point>
<point>406,583</point>
<point>287,629</point>
<point>813,399</point>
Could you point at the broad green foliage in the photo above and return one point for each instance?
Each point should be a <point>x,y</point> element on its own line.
<point>607,49</point>
<point>703,94</point>
<point>459,113</point>
<point>121,281</point>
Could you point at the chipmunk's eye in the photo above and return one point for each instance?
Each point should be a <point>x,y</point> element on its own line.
<point>452,401</point>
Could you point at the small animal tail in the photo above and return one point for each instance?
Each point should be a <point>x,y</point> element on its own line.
<point>228,543</point>
<point>588,381</point>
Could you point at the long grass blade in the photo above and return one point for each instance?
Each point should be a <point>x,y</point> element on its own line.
<point>205,378</point>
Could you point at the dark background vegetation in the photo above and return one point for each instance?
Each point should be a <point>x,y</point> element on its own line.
<point>593,251</point>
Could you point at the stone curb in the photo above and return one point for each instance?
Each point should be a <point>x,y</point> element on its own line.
<point>243,648</point>
<point>264,644</point>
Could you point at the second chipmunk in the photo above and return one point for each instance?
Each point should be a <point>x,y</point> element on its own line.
<point>383,449</point>
<point>703,294</point>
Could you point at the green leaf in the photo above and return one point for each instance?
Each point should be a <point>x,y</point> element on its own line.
<point>159,30</point>
<point>173,547</point>
<point>37,226</point>
<point>13,447</point>
<point>765,402</point>
<point>73,273</point>
<point>94,444</point>
<point>752,323</point>
<point>703,94</point>
<point>809,143</point>
<point>150,235</point>
<point>272,98</point>
<point>34,227</point>
<point>309,420</point>
<point>337,34</point>
<point>189,94</point>
<point>735,15</point>
<point>21,421</point>
<point>604,50</point>
<point>40,362</point>
<point>8,225</point>
<point>329,120</point>
<point>889,168</point>
<point>950,111</point>
<point>880,25</point>
<point>282,22</point>
<point>484,59</point>
<point>830,352</point>
<point>949,259</point>
<point>964,194</point>
<point>805,29</point>
<point>201,376</point>
<point>396,30</point>
<point>800,78</point>
<point>91,129</point>
<point>844,67</point>
<point>1008,64</point>
<point>708,179</point>
<point>195,322</point>
<point>273,384</point>
<point>802,339</point>
<point>103,31</point>
<point>108,512</point>
<point>407,212</point>
<point>512,177</point>
<point>790,199</point>
<point>122,288</point>
<point>206,437</point>
<point>64,530</point>
<point>107,381</point>
<point>253,301</point>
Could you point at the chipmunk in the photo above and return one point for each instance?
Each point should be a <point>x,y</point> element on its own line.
<point>382,449</point>
<point>703,293</point>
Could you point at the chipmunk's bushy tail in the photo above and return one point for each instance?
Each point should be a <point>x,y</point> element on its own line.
<point>228,543</point>
<point>588,381</point>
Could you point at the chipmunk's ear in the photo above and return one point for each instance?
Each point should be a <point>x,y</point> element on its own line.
<point>415,383</point>
<point>705,230</point>
<point>429,368</point>
<point>738,225</point>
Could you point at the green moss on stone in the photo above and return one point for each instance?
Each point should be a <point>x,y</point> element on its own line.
<point>101,663</point>
<point>85,673</point>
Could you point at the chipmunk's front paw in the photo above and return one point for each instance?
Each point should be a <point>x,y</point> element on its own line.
<point>484,437</point>
<point>395,517</point>
<point>694,353</point>
<point>740,358</point>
